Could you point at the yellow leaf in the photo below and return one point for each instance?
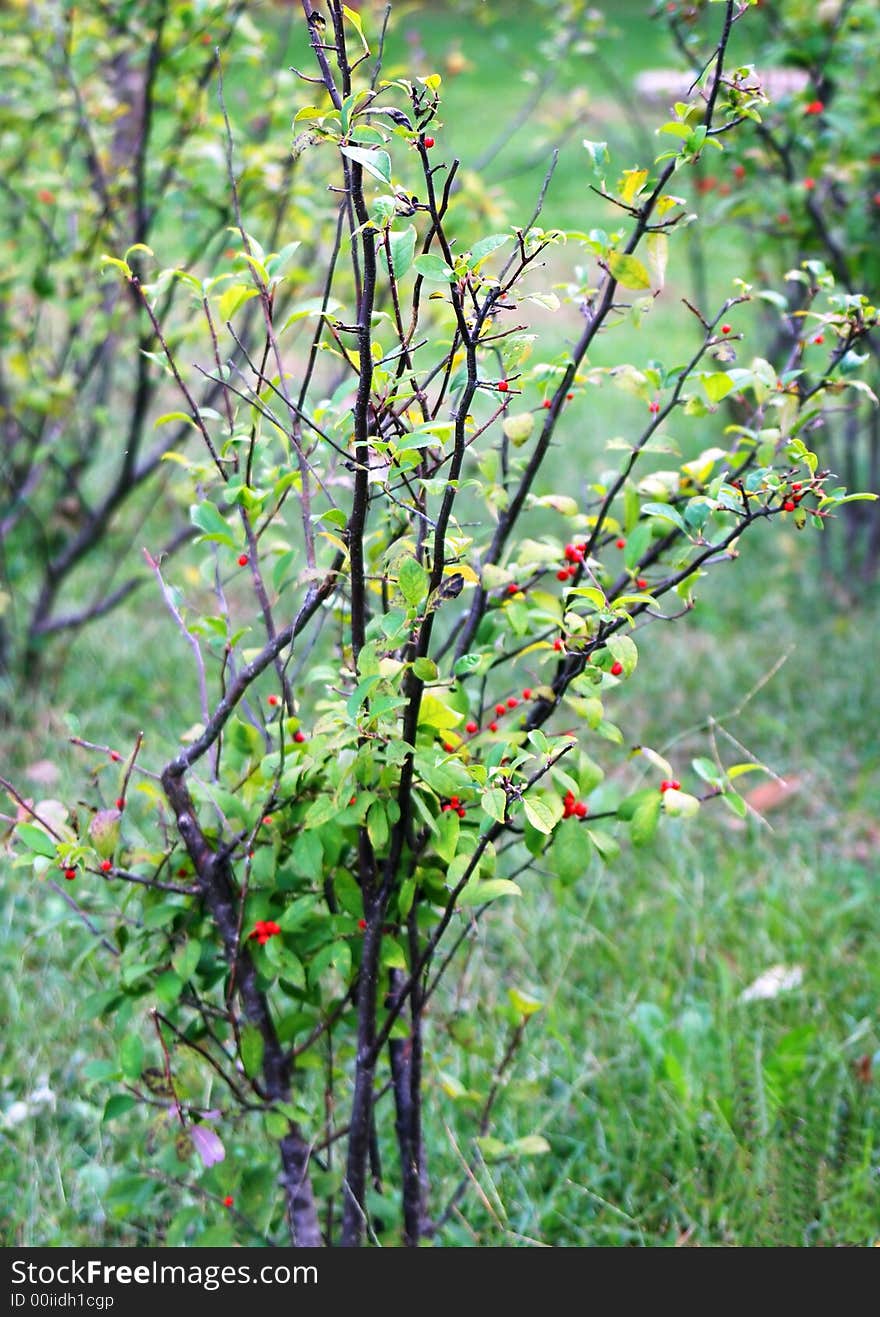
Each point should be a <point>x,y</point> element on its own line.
<point>628,271</point>
<point>632,183</point>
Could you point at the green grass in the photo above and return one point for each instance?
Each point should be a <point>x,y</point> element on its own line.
<point>674,1112</point>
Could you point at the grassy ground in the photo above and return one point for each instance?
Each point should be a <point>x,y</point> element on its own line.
<point>675,1111</point>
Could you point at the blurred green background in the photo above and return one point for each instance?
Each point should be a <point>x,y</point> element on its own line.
<point>676,1112</point>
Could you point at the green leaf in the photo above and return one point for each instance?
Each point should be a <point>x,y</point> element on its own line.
<point>403,246</point>
<point>312,306</point>
<point>735,804</point>
<point>571,852</point>
<point>233,297</point>
<point>36,840</point>
<point>645,819</point>
<point>540,814</point>
<point>480,893</point>
<point>377,163</point>
<point>485,247</point>
<point>117,1105</point>
<point>446,840</point>
<point>186,958</point>
<point>412,580</point>
<point>131,1057</point>
<point>607,846</point>
<point>252,1046</point>
<point>377,825</point>
<point>494,802</point>
<point>663,512</point>
<point>433,268</point>
<point>210,521</point>
<point>425,669</point>
<point>708,770</point>
<point>628,271</point>
<point>718,386</point>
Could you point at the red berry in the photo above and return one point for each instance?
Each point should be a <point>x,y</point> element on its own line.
<point>472,727</point>
<point>814,107</point>
<point>461,811</point>
<point>493,727</point>
<point>557,644</point>
<point>512,702</point>
<point>70,874</point>
<point>568,397</point>
<point>725,329</point>
<point>664,785</point>
<point>120,803</point>
<point>547,404</point>
<point>115,756</point>
<point>299,737</point>
<point>500,708</point>
<point>450,749</point>
<point>642,583</point>
<point>454,802</point>
<point>580,809</point>
<point>620,543</point>
<point>444,808</point>
<point>562,574</point>
<point>502,386</point>
<point>106,866</point>
<point>429,142</point>
<point>513,589</point>
<point>653,408</point>
<point>809,184</point>
<point>527,693</point>
<point>616,669</point>
<point>267,820</point>
<point>739,171</point>
<point>819,338</point>
<point>675,785</point>
<point>789,505</point>
<point>182,871</point>
<point>243,560</point>
<point>362,923</point>
<point>797,485</point>
<point>228,1200</point>
<point>46,197</point>
<point>272,700</point>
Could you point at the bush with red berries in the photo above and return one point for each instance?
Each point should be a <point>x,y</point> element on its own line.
<point>411,696</point>
<point>804,189</point>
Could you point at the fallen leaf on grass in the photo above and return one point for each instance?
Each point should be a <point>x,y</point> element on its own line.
<point>776,979</point>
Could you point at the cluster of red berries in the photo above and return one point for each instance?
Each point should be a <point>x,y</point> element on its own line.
<point>472,727</point>
<point>574,556</point>
<point>572,808</point>
<point>454,805</point>
<point>548,402</point>
<point>797,493</point>
<point>264,929</point>
<point>672,784</point>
